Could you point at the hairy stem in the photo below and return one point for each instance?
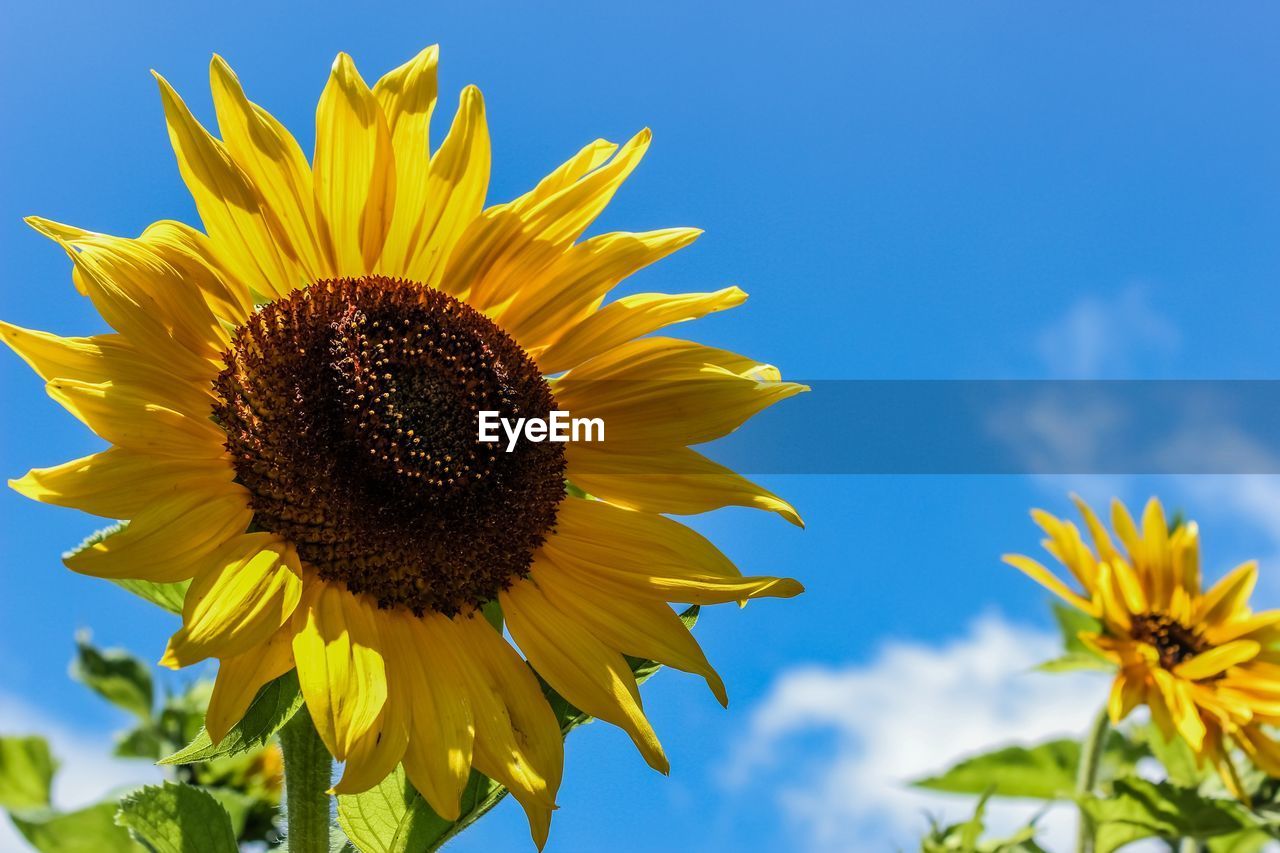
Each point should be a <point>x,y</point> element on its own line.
<point>1087,776</point>
<point>308,771</point>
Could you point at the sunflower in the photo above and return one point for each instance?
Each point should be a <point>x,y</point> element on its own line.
<point>1206,666</point>
<point>291,400</point>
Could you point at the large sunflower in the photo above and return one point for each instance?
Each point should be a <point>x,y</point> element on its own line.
<point>1206,665</point>
<point>291,400</point>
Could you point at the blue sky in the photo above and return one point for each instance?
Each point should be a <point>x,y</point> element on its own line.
<point>907,190</point>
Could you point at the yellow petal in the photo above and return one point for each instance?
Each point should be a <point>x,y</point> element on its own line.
<point>130,418</point>
<point>241,677</point>
<point>518,740</point>
<point>373,757</point>
<point>408,98</point>
<point>575,283</point>
<point>1229,597</point>
<point>355,179</point>
<point>154,295</point>
<point>1259,626</point>
<point>340,664</point>
<point>643,629</point>
<point>1126,530</point>
<point>229,205</point>
<point>238,602</point>
<point>197,261</point>
<point>1041,575</point>
<point>273,161</point>
<point>663,392</point>
<point>678,480</point>
<point>583,670</point>
<point>1218,660</point>
<point>442,729</point>
<point>108,358</point>
<point>169,540</point>
<point>1127,693</point>
<point>118,483</point>
<point>628,318</point>
<point>643,555</point>
<point>507,242</point>
<point>457,180</point>
<point>1101,539</point>
<point>1182,710</point>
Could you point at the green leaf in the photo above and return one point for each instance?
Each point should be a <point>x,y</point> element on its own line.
<point>1046,771</point>
<point>393,818</point>
<point>88,830</point>
<point>1249,841</point>
<point>492,611</point>
<point>966,837</point>
<point>166,595</point>
<point>173,818</point>
<point>1141,809</point>
<point>26,772</point>
<point>1071,624</point>
<point>1075,662</point>
<point>142,742</point>
<point>275,705</point>
<point>115,675</point>
<point>1175,755</point>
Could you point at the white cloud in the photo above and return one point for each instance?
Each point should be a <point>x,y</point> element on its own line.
<point>911,711</point>
<point>1108,337</point>
<point>87,771</point>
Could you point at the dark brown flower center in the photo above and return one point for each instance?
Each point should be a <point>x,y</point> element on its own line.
<point>1173,641</point>
<point>351,414</point>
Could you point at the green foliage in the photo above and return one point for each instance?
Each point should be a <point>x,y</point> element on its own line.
<point>1046,771</point>
<point>966,837</point>
<point>115,675</point>
<point>275,705</point>
<point>393,818</point>
<point>88,830</point>
<point>1139,809</point>
<point>1075,654</point>
<point>168,596</point>
<point>173,818</point>
<point>26,772</point>
<point>244,786</point>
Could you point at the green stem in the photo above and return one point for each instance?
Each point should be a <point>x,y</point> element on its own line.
<point>1189,845</point>
<point>308,774</point>
<point>1087,776</point>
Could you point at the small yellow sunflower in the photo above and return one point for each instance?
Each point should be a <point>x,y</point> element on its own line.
<point>1206,665</point>
<point>291,401</point>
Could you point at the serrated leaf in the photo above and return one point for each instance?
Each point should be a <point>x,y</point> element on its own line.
<point>393,818</point>
<point>1046,771</point>
<point>26,772</point>
<point>115,675</point>
<point>173,818</point>
<point>166,595</point>
<point>1139,809</point>
<point>88,830</point>
<point>275,705</point>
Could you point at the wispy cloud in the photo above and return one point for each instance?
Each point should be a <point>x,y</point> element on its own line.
<point>1109,337</point>
<point>911,711</point>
